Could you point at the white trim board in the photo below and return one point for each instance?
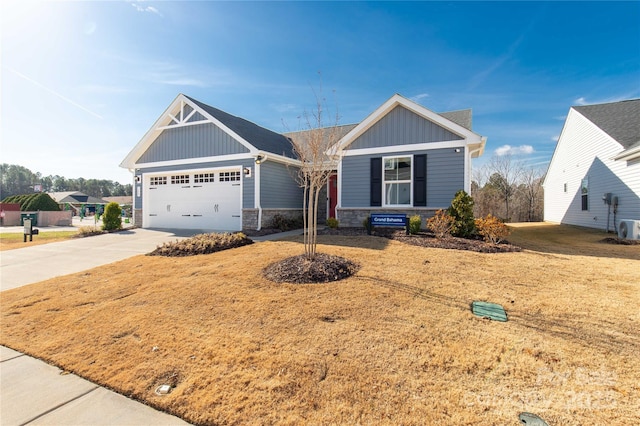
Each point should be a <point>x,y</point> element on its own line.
<point>405,148</point>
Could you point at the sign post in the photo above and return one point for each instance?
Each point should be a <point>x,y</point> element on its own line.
<point>388,219</point>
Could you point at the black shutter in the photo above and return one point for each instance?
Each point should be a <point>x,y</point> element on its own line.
<point>420,180</point>
<point>376,182</point>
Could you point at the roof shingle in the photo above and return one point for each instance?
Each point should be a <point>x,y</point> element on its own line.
<point>620,120</point>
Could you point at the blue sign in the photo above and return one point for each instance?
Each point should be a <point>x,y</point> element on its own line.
<point>388,219</point>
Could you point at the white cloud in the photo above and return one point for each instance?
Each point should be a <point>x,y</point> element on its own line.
<point>141,8</point>
<point>417,98</point>
<point>514,150</point>
<point>580,101</point>
<point>555,138</point>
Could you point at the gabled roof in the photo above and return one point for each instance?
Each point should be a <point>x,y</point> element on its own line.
<point>254,138</point>
<point>475,142</point>
<point>461,117</point>
<point>75,197</point>
<point>620,120</point>
<point>261,138</point>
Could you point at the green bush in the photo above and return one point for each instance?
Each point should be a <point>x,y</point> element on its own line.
<point>34,202</point>
<point>415,224</point>
<point>112,217</point>
<point>366,223</point>
<point>284,223</point>
<point>332,223</point>
<point>461,211</point>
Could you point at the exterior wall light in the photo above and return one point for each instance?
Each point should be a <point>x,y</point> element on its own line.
<point>259,159</point>
<point>457,149</point>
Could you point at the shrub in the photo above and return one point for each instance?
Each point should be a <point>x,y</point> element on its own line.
<point>461,210</point>
<point>415,223</point>
<point>492,229</point>
<point>366,223</point>
<point>202,244</point>
<point>332,223</point>
<point>440,224</point>
<point>284,223</point>
<point>87,231</point>
<point>112,217</point>
<point>34,202</point>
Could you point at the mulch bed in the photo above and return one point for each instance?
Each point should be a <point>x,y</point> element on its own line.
<point>428,239</point>
<point>323,268</point>
<point>615,240</point>
<point>260,233</point>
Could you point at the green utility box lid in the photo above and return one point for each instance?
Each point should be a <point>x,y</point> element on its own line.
<point>32,216</point>
<point>489,310</point>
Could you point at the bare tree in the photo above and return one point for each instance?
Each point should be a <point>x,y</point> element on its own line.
<point>506,174</point>
<point>532,193</point>
<point>315,147</point>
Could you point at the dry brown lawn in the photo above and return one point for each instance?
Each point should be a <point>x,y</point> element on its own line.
<point>394,344</point>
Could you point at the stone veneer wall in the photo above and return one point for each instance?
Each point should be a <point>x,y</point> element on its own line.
<point>137,217</point>
<point>352,217</point>
<point>250,217</point>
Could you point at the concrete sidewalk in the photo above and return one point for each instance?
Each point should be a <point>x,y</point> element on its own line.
<point>36,393</point>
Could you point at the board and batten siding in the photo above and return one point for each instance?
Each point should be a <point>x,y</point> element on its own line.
<point>584,150</point>
<point>402,127</point>
<point>248,185</point>
<point>445,176</point>
<point>200,140</point>
<point>278,186</point>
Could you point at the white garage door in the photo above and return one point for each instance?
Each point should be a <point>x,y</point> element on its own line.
<point>210,200</point>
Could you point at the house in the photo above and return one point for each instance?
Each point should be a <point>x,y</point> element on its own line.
<point>404,158</point>
<point>201,168</point>
<point>75,200</point>
<point>593,178</point>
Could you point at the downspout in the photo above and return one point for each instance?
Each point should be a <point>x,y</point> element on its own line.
<point>258,160</point>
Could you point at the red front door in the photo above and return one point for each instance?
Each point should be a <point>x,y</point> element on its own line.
<point>333,194</point>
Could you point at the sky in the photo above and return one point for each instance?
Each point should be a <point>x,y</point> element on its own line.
<point>82,82</point>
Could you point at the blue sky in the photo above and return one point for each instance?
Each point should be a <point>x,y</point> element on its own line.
<point>82,82</point>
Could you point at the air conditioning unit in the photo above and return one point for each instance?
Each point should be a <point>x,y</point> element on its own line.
<point>629,229</point>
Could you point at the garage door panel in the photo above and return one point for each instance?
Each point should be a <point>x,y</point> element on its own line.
<point>195,205</point>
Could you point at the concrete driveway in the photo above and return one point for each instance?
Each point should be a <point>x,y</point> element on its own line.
<point>37,263</point>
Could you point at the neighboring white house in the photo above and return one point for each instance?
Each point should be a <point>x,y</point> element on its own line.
<point>596,163</point>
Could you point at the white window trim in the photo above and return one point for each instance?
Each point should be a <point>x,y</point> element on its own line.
<point>410,181</point>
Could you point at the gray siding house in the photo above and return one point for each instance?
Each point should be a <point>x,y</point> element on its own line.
<point>404,158</point>
<point>201,168</point>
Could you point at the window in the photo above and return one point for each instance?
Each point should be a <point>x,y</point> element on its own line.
<point>203,178</point>
<point>585,194</point>
<point>158,180</point>
<point>229,176</point>
<point>178,179</point>
<point>397,181</point>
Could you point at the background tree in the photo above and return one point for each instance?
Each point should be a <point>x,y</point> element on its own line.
<point>507,189</point>
<point>507,172</point>
<point>18,180</point>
